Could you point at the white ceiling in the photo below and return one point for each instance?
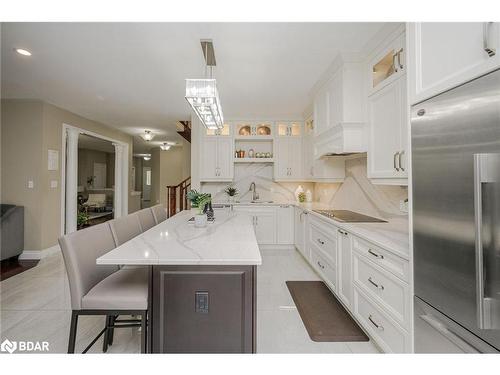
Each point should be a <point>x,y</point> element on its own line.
<point>131,75</point>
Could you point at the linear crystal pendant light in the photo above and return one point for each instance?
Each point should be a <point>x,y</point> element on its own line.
<point>202,94</point>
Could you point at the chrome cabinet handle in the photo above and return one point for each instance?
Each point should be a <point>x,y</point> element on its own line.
<point>379,256</point>
<point>320,265</point>
<point>394,63</point>
<point>378,326</point>
<point>400,158</point>
<point>399,59</point>
<point>381,287</point>
<point>321,242</point>
<point>342,232</point>
<point>486,36</point>
<point>395,161</point>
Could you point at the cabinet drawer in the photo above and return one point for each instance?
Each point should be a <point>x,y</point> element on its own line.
<point>385,259</point>
<point>386,332</point>
<point>325,238</point>
<point>324,267</point>
<point>385,288</point>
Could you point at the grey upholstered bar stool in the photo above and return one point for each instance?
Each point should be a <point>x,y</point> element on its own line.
<point>99,289</point>
<point>125,228</point>
<point>146,218</point>
<point>159,213</point>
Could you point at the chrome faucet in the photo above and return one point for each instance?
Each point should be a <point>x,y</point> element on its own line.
<point>253,189</point>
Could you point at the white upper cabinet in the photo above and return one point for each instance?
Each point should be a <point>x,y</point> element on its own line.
<point>388,133</point>
<point>446,54</point>
<point>387,114</point>
<point>216,159</point>
<point>288,158</point>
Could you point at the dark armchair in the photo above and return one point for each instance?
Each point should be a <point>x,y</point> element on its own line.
<point>11,230</point>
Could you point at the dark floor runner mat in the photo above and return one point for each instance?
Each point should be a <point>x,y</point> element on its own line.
<point>324,317</point>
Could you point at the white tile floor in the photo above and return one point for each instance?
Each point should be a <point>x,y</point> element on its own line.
<point>35,305</point>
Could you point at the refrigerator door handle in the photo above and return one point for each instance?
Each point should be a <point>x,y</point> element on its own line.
<point>478,214</point>
<point>486,171</point>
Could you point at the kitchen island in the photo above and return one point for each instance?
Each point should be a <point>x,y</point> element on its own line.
<point>202,283</point>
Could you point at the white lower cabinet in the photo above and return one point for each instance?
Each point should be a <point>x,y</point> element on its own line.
<point>274,225</point>
<point>345,267</point>
<point>371,282</point>
<point>324,266</point>
<point>285,225</point>
<point>264,222</point>
<point>300,217</point>
<point>388,334</point>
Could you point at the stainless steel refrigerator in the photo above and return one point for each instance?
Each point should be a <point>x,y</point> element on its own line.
<point>456,218</point>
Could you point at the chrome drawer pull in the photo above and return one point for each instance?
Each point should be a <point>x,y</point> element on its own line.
<point>378,326</point>
<point>321,242</point>
<point>379,256</point>
<point>342,232</point>
<point>321,266</point>
<point>381,287</point>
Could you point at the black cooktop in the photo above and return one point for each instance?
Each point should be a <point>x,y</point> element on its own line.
<point>349,216</point>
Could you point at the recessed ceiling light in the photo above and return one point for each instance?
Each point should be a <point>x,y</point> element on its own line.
<point>147,157</point>
<point>22,51</point>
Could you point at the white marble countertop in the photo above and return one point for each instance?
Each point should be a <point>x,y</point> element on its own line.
<point>392,235</point>
<point>230,240</point>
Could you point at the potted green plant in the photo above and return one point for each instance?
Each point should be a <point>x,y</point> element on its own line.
<point>231,192</point>
<point>200,219</point>
<point>81,219</point>
<point>195,196</point>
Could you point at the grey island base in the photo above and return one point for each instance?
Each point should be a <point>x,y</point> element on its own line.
<point>202,283</point>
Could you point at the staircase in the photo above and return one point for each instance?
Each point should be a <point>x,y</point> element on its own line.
<point>177,197</point>
<point>184,129</point>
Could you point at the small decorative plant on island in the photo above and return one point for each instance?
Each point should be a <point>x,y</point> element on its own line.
<point>199,200</point>
<point>200,219</point>
<point>231,192</point>
<point>195,197</point>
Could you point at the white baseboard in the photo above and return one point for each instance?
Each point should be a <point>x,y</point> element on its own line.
<point>39,254</point>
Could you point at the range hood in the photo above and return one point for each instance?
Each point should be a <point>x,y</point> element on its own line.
<point>341,140</point>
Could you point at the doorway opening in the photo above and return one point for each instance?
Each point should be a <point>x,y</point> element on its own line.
<point>96,181</point>
<point>94,177</point>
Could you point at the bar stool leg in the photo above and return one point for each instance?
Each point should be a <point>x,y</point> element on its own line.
<point>144,332</point>
<point>72,332</point>
<point>105,341</point>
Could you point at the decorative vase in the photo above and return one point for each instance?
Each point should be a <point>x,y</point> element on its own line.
<point>200,220</point>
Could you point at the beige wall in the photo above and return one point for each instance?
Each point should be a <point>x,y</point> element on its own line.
<point>22,130</point>
<point>169,168</point>
<point>29,130</point>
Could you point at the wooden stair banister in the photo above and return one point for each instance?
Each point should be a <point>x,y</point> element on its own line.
<point>177,197</point>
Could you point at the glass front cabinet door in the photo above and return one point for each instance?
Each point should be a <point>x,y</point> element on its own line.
<point>387,64</point>
<point>289,128</point>
<point>225,131</point>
